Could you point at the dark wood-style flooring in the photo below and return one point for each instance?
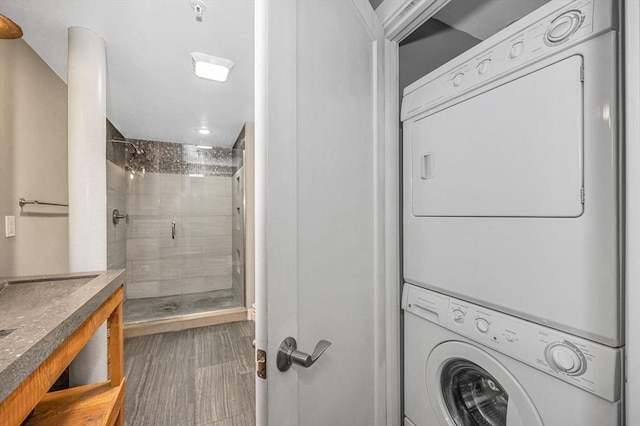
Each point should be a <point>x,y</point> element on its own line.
<point>201,376</point>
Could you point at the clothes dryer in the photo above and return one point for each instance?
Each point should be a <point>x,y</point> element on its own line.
<point>511,172</point>
<point>465,365</point>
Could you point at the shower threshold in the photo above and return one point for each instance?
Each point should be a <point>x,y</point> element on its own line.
<point>180,312</point>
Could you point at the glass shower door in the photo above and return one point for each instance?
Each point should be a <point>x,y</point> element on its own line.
<point>154,244</point>
<point>179,237</point>
<point>207,261</point>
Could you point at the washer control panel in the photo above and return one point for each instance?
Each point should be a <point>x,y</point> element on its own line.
<point>565,357</point>
<point>591,366</point>
<point>563,27</point>
<point>482,325</point>
<point>552,28</point>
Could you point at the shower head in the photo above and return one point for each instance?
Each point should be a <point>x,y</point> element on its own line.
<point>136,150</point>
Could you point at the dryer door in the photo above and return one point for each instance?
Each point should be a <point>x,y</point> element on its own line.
<point>513,151</point>
<point>468,387</point>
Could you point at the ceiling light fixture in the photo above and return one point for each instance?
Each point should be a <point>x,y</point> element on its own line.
<point>204,147</point>
<point>204,131</point>
<point>210,67</point>
<point>9,29</point>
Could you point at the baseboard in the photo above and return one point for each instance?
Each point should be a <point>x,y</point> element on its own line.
<point>251,314</point>
<point>183,322</point>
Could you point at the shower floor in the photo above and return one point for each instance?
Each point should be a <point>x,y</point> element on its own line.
<point>155,308</point>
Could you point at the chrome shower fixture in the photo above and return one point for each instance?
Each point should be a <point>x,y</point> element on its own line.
<point>137,151</point>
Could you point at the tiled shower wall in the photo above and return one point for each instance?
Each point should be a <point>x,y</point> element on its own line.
<point>116,199</point>
<point>174,183</point>
<point>237,221</point>
<point>116,234</point>
<point>238,273</point>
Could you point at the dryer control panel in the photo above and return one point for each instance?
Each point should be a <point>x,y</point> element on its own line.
<point>545,32</point>
<point>585,364</point>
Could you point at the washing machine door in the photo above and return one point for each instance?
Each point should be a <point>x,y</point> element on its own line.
<point>469,387</point>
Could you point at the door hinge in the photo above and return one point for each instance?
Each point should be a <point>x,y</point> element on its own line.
<point>581,72</point>
<point>582,195</point>
<point>261,364</point>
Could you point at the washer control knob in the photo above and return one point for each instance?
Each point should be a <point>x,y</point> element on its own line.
<point>458,79</point>
<point>509,338</point>
<point>483,66</point>
<point>482,325</point>
<point>516,50</point>
<point>565,358</point>
<point>563,27</point>
<point>458,316</point>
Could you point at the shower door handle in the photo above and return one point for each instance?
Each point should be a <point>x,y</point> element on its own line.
<point>116,216</point>
<point>288,354</point>
<point>173,230</point>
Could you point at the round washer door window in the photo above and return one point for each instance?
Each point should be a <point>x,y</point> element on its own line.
<point>469,387</point>
<point>473,396</point>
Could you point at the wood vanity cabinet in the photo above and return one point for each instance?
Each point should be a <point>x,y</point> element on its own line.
<point>93,404</point>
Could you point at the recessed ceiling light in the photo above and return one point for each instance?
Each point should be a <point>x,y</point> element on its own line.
<point>210,67</point>
<point>204,131</point>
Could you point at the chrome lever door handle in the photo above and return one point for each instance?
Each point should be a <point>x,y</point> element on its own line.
<point>288,354</point>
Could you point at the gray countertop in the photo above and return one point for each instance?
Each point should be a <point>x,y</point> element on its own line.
<point>38,313</point>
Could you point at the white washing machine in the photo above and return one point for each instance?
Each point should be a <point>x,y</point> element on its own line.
<point>511,172</point>
<point>466,365</point>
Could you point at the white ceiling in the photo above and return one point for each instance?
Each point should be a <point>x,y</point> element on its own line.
<point>483,18</point>
<point>152,92</point>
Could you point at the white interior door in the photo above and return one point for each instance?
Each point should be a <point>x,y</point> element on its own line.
<point>319,210</point>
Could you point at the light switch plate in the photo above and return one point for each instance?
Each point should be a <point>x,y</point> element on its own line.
<point>10,226</point>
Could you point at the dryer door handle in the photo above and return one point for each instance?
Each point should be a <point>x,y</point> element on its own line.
<point>427,166</point>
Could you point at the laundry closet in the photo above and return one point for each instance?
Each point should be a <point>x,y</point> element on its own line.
<point>512,214</point>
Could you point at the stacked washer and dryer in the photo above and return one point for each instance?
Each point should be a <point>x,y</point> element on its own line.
<point>512,227</point>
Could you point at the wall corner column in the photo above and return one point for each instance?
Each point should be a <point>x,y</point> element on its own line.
<point>87,67</point>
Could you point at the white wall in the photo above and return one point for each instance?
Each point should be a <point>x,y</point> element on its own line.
<point>33,162</point>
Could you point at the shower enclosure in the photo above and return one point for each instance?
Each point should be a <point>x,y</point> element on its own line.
<point>176,233</point>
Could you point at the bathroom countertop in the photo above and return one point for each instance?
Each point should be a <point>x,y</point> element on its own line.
<point>38,313</point>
